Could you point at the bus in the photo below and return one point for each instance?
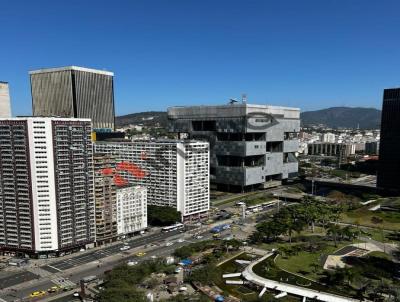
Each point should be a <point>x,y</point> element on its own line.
<point>261,207</point>
<point>171,228</point>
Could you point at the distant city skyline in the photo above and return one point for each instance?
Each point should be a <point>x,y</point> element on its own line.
<point>309,54</point>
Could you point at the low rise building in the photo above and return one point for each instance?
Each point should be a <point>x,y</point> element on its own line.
<point>329,149</point>
<point>131,209</point>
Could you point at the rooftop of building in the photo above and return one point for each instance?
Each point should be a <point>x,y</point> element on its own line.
<point>232,110</point>
<point>55,118</point>
<point>67,68</point>
<point>150,141</point>
<point>3,82</point>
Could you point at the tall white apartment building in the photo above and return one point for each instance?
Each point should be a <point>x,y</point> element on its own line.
<point>46,185</point>
<point>5,104</point>
<point>175,172</point>
<point>131,209</point>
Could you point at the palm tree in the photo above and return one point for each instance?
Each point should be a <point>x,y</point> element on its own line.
<point>334,231</point>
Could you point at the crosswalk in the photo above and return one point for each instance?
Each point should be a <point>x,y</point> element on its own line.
<point>63,282</point>
<point>39,271</point>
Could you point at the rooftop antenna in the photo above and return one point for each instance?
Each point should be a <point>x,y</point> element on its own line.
<point>244,98</point>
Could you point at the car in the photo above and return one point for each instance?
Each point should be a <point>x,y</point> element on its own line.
<point>132,262</point>
<point>76,294</point>
<point>140,254</point>
<point>169,243</point>
<point>82,250</point>
<point>153,257</point>
<point>180,240</point>
<point>38,293</point>
<point>125,248</point>
<point>67,288</point>
<point>199,237</point>
<point>53,289</point>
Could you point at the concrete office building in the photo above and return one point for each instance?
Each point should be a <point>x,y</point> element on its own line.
<point>339,150</point>
<point>5,104</point>
<point>46,185</point>
<point>131,209</point>
<point>74,92</point>
<point>105,195</point>
<point>175,172</point>
<point>389,159</point>
<point>251,146</point>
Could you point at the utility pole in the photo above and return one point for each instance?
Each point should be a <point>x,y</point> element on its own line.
<point>312,186</point>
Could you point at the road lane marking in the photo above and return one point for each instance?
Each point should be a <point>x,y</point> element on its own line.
<point>54,268</point>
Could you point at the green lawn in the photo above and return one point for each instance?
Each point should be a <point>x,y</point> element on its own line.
<point>267,269</point>
<point>258,200</point>
<point>362,216</point>
<point>303,263</point>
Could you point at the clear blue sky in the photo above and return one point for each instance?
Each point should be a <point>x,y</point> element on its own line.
<point>306,53</point>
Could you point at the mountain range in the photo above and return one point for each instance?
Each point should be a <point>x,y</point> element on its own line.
<point>343,117</point>
<point>334,117</point>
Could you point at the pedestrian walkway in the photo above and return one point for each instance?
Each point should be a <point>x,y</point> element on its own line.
<point>39,271</point>
<point>250,276</point>
<point>63,282</point>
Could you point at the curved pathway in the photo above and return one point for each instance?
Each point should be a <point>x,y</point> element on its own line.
<point>249,275</point>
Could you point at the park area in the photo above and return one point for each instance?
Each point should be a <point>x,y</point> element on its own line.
<point>382,213</point>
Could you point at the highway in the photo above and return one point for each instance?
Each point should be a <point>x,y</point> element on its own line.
<point>71,270</point>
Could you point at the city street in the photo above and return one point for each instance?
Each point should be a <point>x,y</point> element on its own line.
<point>71,271</point>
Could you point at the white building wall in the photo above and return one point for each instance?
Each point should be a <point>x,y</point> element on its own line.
<point>195,172</point>
<point>5,104</point>
<point>43,184</point>
<point>131,209</point>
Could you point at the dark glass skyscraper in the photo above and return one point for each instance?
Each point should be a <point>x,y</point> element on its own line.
<point>74,92</point>
<point>389,157</point>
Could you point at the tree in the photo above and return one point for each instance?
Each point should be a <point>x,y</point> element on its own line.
<point>183,252</point>
<point>334,231</point>
<point>205,274</point>
<point>310,211</point>
<point>162,216</point>
<point>124,293</point>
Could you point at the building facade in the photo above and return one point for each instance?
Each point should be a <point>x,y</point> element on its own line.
<point>105,195</point>
<point>175,172</point>
<point>372,148</point>
<point>339,150</point>
<point>389,160</point>
<point>46,185</point>
<point>74,92</point>
<point>251,146</point>
<point>328,138</point>
<point>5,104</point>
<point>131,209</point>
